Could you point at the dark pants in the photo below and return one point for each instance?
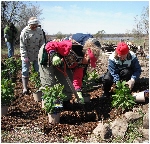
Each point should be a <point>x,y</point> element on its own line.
<point>107,80</point>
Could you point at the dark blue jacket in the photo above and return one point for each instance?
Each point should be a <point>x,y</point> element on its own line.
<point>115,66</point>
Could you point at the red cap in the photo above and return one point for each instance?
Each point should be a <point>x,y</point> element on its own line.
<point>93,59</point>
<point>122,48</point>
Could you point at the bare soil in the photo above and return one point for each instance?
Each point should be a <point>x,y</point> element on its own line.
<point>27,122</point>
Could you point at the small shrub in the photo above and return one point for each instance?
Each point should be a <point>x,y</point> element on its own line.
<point>7,91</point>
<point>89,79</point>
<point>11,66</point>
<point>35,78</point>
<point>122,97</point>
<point>53,97</point>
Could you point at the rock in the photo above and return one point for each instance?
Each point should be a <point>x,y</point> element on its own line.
<point>146,121</point>
<point>138,140</point>
<point>145,108</point>
<point>132,116</point>
<point>98,129</point>
<point>92,139</point>
<point>146,141</point>
<point>145,133</point>
<point>119,127</point>
<point>106,132</point>
<point>103,130</point>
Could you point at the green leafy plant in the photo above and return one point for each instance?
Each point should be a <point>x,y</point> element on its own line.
<point>89,79</point>
<point>93,75</point>
<point>11,66</point>
<point>122,97</point>
<point>35,78</point>
<point>32,68</point>
<point>53,97</point>
<point>133,131</point>
<point>5,73</point>
<point>69,138</point>
<point>18,64</point>
<point>85,83</point>
<point>7,91</point>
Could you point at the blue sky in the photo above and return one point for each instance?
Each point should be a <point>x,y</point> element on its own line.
<point>70,17</point>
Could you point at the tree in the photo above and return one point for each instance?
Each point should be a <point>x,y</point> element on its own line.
<point>10,12</point>
<point>27,12</point>
<point>100,34</point>
<point>19,13</point>
<point>59,35</point>
<point>142,25</point>
<point>127,33</point>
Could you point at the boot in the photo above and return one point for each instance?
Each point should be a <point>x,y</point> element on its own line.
<point>25,83</point>
<point>106,92</point>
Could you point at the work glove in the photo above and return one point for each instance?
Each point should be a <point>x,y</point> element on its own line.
<point>81,99</point>
<point>56,61</point>
<point>26,60</point>
<point>130,83</point>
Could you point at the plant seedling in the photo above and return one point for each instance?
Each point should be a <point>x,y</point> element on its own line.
<point>35,79</point>
<point>7,91</point>
<point>122,97</point>
<point>53,97</point>
<point>89,79</point>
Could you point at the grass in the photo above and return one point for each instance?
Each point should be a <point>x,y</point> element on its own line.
<point>69,138</point>
<point>132,132</point>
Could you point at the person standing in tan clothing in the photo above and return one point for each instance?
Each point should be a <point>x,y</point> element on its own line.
<point>31,39</point>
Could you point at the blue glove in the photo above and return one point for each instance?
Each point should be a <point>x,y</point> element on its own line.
<point>81,99</point>
<point>56,60</point>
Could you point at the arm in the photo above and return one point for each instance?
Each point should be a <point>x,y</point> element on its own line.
<point>42,38</point>
<point>77,78</point>
<point>136,68</point>
<point>6,32</point>
<point>16,32</point>
<point>23,45</point>
<point>114,71</point>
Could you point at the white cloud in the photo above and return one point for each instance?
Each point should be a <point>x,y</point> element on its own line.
<point>76,19</point>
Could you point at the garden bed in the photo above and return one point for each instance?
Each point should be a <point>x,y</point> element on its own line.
<point>27,122</point>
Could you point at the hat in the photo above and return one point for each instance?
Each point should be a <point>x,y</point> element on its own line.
<point>34,21</point>
<point>95,42</point>
<point>122,48</point>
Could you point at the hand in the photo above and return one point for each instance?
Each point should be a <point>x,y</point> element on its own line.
<point>81,99</point>
<point>6,36</point>
<point>56,61</point>
<point>113,88</point>
<point>26,60</point>
<point>130,83</point>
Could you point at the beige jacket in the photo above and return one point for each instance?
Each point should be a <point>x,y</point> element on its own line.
<point>30,43</point>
